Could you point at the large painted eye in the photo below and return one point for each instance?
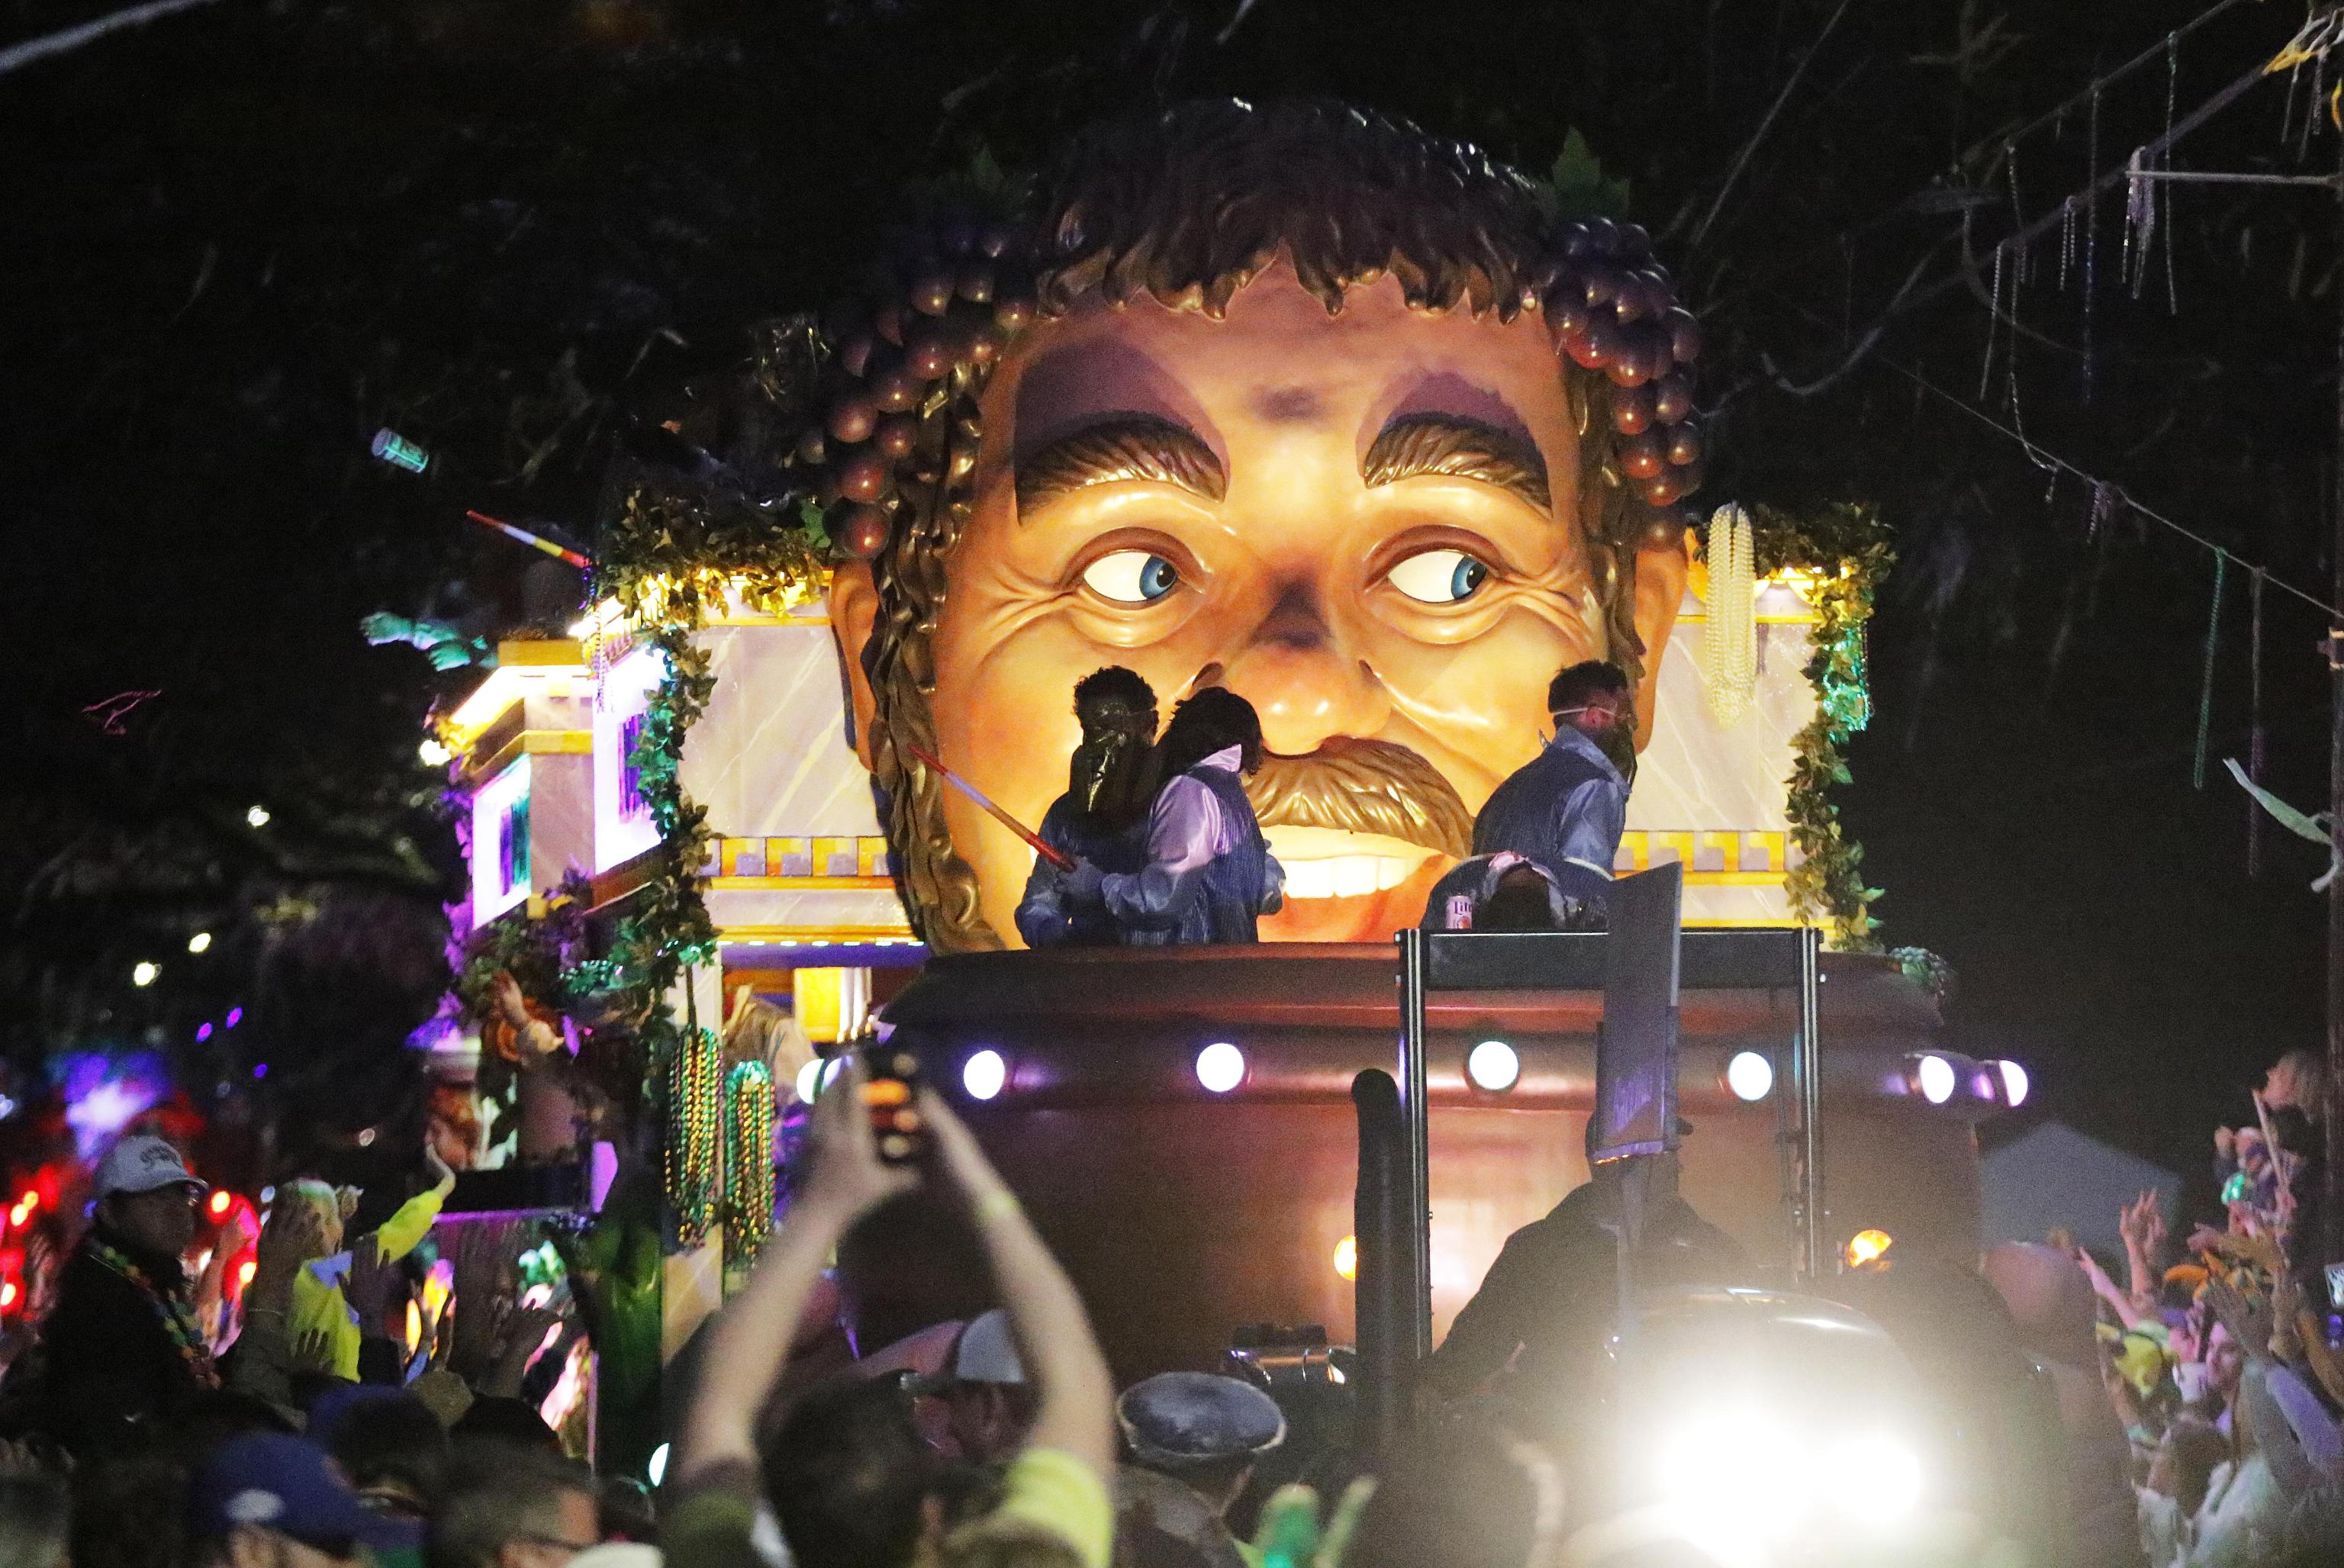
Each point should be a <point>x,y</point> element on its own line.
<point>1131,577</point>
<point>1439,576</point>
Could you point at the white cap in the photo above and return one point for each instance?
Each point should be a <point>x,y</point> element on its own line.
<point>142,1164</point>
<point>988,1352</point>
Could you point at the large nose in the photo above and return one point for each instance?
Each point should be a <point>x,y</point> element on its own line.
<point>1304,679</point>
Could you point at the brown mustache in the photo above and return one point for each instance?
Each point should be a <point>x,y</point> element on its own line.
<point>1363,786</point>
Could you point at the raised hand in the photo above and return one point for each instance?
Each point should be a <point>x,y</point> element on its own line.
<point>848,1176</point>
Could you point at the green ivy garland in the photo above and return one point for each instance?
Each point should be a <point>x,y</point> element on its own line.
<point>669,562</point>
<point>1845,548</point>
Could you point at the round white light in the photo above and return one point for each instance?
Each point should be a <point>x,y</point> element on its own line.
<point>200,941</point>
<point>2014,1083</point>
<point>1730,1474</point>
<point>656,1470</point>
<point>143,973</point>
<point>1493,1066</point>
<point>1874,1481</point>
<point>809,1081</point>
<point>984,1075</point>
<point>434,752</point>
<point>1220,1067</point>
<point>257,816</point>
<point>1750,1075</point>
<point>1936,1078</point>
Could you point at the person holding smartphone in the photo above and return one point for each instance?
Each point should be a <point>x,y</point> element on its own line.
<point>1055,1509</point>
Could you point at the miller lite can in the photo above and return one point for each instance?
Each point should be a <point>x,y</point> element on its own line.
<point>1460,912</point>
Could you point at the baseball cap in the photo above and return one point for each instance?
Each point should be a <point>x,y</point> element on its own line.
<point>142,1164</point>
<point>986,1352</point>
<point>1178,1419</point>
<point>281,1482</point>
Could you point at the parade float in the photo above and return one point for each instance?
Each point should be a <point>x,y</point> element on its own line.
<point>1099,418</point>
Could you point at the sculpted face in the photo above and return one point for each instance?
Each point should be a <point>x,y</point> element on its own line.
<point>1365,523</point>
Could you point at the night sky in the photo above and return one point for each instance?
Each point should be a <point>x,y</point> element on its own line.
<point>241,239</point>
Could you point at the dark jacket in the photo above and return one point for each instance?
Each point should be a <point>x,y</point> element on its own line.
<point>1564,808</point>
<point>1046,917</point>
<point>111,1367</point>
<point>1553,1293</point>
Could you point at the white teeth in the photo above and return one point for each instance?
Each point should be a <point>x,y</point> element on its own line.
<point>1345,876</point>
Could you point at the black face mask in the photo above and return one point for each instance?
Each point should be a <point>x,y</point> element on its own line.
<point>1114,772</point>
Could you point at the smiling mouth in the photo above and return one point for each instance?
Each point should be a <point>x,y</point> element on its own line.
<point>1329,863</point>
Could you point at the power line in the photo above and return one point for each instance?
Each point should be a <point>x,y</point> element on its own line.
<point>2043,456</point>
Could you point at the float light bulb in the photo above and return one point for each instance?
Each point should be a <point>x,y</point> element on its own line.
<point>984,1075</point>
<point>1493,1066</point>
<point>257,816</point>
<point>1346,1258</point>
<point>1220,1067</point>
<point>201,942</point>
<point>2014,1082</point>
<point>809,1081</point>
<point>1937,1079</point>
<point>1750,1075</point>
<point>656,1470</point>
<point>434,752</point>
<point>143,973</point>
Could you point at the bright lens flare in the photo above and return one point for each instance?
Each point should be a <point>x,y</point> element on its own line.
<point>2014,1083</point>
<point>1346,1258</point>
<point>1874,1481</point>
<point>1220,1067</point>
<point>1734,1473</point>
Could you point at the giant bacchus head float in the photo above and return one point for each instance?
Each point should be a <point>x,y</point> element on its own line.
<point>1295,400</point>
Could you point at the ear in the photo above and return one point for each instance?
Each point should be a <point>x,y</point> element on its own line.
<point>248,1546</point>
<point>854,612</point>
<point>346,1199</point>
<point>1660,591</point>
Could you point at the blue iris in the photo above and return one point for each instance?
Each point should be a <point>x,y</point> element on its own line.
<point>1468,576</point>
<point>1158,577</point>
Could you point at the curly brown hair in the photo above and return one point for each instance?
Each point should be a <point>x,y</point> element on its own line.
<point>1187,205</point>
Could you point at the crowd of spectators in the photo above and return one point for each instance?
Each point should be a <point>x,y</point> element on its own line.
<point>2198,1399</point>
<point>2219,1354</point>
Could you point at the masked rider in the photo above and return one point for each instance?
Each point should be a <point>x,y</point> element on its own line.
<point>1103,817</point>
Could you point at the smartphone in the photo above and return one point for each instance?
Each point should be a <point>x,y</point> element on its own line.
<point>889,1077</point>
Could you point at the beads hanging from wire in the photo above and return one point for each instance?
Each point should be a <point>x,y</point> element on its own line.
<point>748,1160</point>
<point>1729,646</point>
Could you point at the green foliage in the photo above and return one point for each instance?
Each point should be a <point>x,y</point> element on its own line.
<point>1926,970</point>
<point>1577,185</point>
<point>1843,547</point>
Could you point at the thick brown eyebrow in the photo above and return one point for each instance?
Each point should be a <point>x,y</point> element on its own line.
<point>1121,447</point>
<point>1459,448</point>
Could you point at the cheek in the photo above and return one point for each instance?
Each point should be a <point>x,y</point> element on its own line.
<point>1484,699</point>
